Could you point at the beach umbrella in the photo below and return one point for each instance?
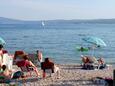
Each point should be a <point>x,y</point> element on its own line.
<point>2,42</point>
<point>95,41</point>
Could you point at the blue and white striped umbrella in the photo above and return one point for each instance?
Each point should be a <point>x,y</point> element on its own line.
<point>2,42</point>
<point>95,40</point>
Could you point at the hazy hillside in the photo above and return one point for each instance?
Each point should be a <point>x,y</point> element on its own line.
<point>14,21</point>
<point>99,21</point>
<point>8,21</point>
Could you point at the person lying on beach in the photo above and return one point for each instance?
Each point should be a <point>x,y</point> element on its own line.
<point>48,64</point>
<point>5,72</point>
<point>26,62</point>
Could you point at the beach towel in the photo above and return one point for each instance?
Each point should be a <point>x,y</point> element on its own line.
<point>18,74</point>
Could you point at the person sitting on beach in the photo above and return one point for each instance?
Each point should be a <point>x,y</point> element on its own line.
<point>89,59</point>
<point>26,62</point>
<point>85,61</point>
<point>101,63</point>
<point>88,62</point>
<point>39,56</point>
<point>48,64</point>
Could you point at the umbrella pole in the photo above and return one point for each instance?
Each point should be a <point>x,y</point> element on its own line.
<point>93,53</point>
<point>94,46</point>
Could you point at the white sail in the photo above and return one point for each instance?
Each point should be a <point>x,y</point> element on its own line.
<point>43,24</point>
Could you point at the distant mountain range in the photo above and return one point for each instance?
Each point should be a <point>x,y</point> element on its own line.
<point>14,21</point>
<point>92,21</point>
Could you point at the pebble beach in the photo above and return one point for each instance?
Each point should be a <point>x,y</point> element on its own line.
<point>70,75</point>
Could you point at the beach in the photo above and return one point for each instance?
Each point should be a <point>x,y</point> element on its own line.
<point>75,38</point>
<point>70,75</point>
<point>59,41</point>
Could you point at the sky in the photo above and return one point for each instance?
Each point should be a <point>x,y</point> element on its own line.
<point>57,9</point>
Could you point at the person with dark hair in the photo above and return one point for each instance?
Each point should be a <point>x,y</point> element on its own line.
<point>102,63</point>
<point>48,64</point>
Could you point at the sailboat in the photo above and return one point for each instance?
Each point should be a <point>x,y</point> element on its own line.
<point>43,24</point>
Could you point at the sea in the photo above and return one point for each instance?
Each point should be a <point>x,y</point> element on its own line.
<point>60,41</point>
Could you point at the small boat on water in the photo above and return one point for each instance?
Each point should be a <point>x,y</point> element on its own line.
<point>43,24</point>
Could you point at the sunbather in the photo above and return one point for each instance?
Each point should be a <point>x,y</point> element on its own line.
<point>7,75</point>
<point>101,63</point>
<point>27,63</point>
<point>88,59</point>
<point>89,62</point>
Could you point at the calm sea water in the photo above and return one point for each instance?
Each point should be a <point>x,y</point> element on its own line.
<point>59,41</point>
